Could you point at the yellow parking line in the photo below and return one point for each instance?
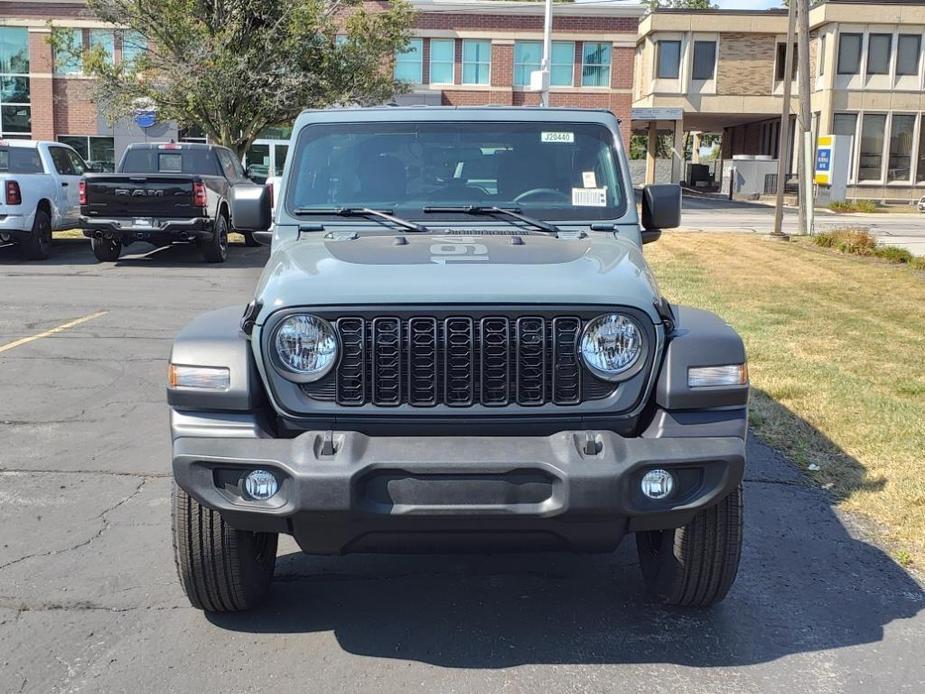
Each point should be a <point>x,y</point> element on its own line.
<point>53,331</point>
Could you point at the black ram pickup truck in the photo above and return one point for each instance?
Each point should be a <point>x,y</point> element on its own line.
<point>163,193</point>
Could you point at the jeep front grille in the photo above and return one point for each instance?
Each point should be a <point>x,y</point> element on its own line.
<point>459,361</point>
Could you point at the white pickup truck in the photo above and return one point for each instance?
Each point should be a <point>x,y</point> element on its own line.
<point>39,193</point>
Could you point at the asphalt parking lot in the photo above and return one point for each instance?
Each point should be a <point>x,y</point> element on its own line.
<point>89,599</point>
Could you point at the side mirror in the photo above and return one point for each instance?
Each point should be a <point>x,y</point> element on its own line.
<point>661,209</point>
<point>251,209</point>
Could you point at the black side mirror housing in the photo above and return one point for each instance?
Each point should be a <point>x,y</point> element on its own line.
<point>661,209</point>
<point>251,208</point>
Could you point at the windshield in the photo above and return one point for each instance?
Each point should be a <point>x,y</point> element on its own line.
<point>552,171</point>
<point>178,160</point>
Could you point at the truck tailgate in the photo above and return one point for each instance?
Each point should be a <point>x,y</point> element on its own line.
<point>140,195</point>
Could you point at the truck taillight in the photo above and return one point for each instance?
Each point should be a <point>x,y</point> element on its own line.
<point>199,194</point>
<point>83,192</point>
<point>13,193</point>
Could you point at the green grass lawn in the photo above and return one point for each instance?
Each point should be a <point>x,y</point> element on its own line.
<point>836,349</point>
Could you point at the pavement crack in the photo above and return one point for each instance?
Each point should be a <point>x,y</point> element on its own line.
<point>104,526</point>
<point>113,473</point>
<point>21,608</point>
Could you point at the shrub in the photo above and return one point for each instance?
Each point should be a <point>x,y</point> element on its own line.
<point>893,254</point>
<point>864,206</point>
<point>856,241</point>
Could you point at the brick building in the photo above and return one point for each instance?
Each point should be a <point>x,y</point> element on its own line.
<point>464,52</point>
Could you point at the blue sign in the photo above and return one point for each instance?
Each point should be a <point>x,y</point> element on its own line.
<point>823,159</point>
<point>145,119</point>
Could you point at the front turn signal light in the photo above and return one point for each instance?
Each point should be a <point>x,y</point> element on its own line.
<point>713,376</point>
<point>198,377</point>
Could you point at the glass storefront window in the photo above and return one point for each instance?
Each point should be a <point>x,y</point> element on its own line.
<point>847,124</point>
<point>100,38</point>
<point>871,152</point>
<point>15,119</point>
<point>68,62</point>
<point>94,149</point>
<point>476,61</point>
<point>133,46</point>
<point>528,56</point>
<point>901,134</point>
<point>15,111</point>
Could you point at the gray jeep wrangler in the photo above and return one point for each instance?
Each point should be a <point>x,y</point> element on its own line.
<point>457,345</point>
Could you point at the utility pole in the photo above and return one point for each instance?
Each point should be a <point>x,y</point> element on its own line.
<point>783,164</point>
<point>806,168</point>
<point>546,66</point>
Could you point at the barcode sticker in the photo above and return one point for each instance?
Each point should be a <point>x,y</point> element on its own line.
<point>589,197</point>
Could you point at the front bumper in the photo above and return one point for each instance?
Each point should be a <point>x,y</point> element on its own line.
<point>573,490</point>
<point>161,230</point>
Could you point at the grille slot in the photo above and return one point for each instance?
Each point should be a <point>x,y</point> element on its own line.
<point>459,361</point>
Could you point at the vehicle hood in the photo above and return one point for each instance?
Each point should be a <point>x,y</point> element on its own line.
<point>456,267</point>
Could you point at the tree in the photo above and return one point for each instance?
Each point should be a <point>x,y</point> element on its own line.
<point>682,4</point>
<point>235,67</point>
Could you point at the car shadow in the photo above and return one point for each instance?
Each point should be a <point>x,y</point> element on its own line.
<point>805,584</point>
<point>76,251</point>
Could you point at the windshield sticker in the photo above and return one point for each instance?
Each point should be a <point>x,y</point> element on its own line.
<point>589,197</point>
<point>563,137</point>
<point>589,179</point>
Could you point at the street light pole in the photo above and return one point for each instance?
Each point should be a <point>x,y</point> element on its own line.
<point>546,67</point>
<point>783,146</point>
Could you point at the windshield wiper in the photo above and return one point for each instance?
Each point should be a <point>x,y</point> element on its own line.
<point>363,212</point>
<point>493,209</point>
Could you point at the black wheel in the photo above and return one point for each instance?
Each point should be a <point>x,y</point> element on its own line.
<point>106,250</point>
<point>37,246</point>
<point>221,569</point>
<point>215,250</point>
<point>695,565</point>
<point>249,239</point>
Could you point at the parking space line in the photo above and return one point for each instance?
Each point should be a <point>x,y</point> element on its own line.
<point>61,328</point>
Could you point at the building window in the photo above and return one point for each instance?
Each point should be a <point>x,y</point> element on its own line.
<point>669,60</point>
<point>821,70</point>
<point>442,61</point>
<point>704,60</point>
<point>94,150</point>
<point>909,49</point>
<point>847,124</point>
<point>528,56</point>
<point>920,171</point>
<point>871,152</point>
<point>68,61</point>
<point>476,61</point>
<point>899,167</point>
<point>595,65</point>
<point>409,63</point>
<point>100,38</point>
<point>878,54</point>
<point>849,54</point>
<point>15,112</point>
<point>781,61</point>
<point>134,45</point>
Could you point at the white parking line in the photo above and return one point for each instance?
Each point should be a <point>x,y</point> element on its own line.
<point>61,328</point>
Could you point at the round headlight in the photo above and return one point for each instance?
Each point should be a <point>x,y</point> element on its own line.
<point>306,345</point>
<point>611,345</point>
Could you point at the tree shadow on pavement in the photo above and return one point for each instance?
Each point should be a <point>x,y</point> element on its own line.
<point>805,585</point>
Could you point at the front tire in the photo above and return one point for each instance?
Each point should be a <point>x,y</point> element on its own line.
<point>106,250</point>
<point>215,250</point>
<point>695,565</point>
<point>221,569</point>
<point>37,246</point>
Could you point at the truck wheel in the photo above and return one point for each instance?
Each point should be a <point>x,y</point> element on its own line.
<point>215,250</point>
<point>221,569</point>
<point>695,565</point>
<point>106,250</point>
<point>37,246</point>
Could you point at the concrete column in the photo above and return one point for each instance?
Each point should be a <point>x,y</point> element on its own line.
<point>677,152</point>
<point>650,152</point>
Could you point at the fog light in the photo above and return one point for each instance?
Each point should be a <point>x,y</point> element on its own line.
<point>657,484</point>
<point>260,485</point>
